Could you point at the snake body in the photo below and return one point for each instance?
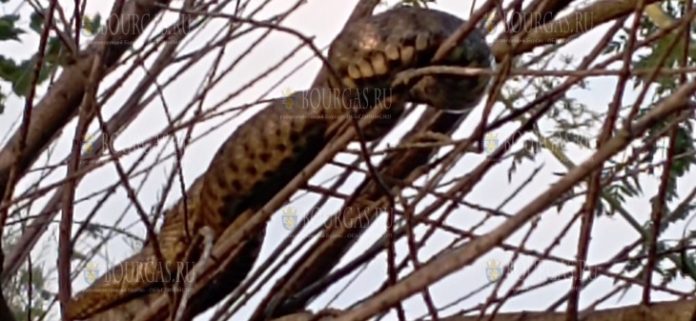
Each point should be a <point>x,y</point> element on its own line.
<point>272,147</point>
<point>243,174</point>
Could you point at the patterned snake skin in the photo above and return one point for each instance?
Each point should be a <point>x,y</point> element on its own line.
<point>266,152</point>
<point>370,58</point>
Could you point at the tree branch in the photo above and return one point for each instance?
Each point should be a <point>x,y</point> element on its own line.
<point>466,254</point>
<point>576,23</point>
<point>61,102</point>
<point>666,311</point>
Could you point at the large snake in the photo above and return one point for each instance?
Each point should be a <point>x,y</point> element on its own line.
<point>272,147</point>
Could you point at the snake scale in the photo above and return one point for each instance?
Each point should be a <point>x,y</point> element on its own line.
<point>273,146</point>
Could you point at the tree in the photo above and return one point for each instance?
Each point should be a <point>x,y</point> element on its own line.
<point>625,164</point>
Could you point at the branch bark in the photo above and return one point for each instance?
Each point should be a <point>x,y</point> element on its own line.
<point>63,98</point>
<point>129,111</point>
<point>680,310</point>
<point>466,254</point>
<point>576,23</point>
<point>61,102</point>
<point>5,311</point>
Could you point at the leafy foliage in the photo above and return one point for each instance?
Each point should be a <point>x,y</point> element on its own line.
<point>27,282</point>
<point>8,30</point>
<point>572,121</point>
<point>18,73</point>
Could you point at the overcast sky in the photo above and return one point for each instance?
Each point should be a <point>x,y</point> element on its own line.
<point>322,19</point>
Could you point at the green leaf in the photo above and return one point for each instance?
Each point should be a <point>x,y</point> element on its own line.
<point>684,144</point>
<point>652,60</point>
<point>19,75</point>
<point>91,25</point>
<point>36,22</point>
<point>21,79</point>
<point>8,31</point>
<point>8,69</point>
<point>688,266</point>
<point>54,54</point>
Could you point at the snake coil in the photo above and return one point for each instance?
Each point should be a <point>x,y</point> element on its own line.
<point>272,147</point>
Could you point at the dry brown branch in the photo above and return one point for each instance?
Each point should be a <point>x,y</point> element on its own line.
<point>664,311</point>
<point>573,24</point>
<point>318,260</point>
<point>425,196</point>
<point>60,104</point>
<point>464,255</point>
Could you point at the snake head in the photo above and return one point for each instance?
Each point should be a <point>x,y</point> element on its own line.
<point>369,54</point>
<point>456,92</point>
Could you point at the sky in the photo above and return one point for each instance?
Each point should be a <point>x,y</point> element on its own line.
<point>322,20</point>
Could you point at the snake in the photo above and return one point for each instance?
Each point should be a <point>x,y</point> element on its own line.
<point>262,155</point>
